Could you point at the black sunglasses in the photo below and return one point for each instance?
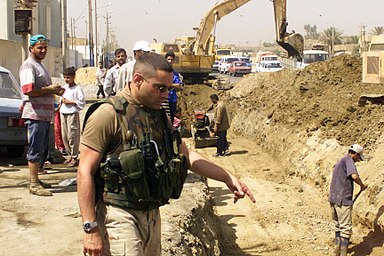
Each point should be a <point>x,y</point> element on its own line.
<point>159,87</point>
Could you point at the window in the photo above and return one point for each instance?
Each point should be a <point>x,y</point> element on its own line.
<point>8,88</point>
<point>315,57</point>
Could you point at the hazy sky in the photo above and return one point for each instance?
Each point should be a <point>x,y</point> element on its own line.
<point>251,24</point>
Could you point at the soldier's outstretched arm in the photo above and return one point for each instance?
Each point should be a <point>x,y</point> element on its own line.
<point>200,165</point>
<point>89,162</point>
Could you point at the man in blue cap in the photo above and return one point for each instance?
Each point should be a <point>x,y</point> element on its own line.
<point>38,109</point>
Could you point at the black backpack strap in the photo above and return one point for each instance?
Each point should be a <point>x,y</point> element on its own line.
<point>168,135</point>
<point>92,109</point>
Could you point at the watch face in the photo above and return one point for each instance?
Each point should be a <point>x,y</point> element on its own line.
<point>87,226</point>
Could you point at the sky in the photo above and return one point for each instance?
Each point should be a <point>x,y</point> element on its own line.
<point>251,24</point>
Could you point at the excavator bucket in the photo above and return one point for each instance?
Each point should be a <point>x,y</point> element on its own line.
<point>294,45</point>
<point>293,42</point>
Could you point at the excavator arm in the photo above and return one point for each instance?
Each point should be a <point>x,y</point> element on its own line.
<point>292,42</point>
<point>203,43</point>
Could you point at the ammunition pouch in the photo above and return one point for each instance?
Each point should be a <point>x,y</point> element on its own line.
<point>130,184</point>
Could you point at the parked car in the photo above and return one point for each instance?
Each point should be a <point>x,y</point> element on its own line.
<point>238,68</point>
<point>215,66</point>
<point>247,60</point>
<point>225,62</point>
<point>269,66</point>
<point>13,133</point>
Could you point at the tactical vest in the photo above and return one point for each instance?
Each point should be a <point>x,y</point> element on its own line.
<point>142,176</point>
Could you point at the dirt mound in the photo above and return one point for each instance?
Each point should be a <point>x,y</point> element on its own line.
<point>86,75</point>
<point>324,96</point>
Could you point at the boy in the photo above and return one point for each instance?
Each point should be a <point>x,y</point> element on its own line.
<point>72,102</point>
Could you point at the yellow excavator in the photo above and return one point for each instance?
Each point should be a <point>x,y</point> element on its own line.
<point>195,55</point>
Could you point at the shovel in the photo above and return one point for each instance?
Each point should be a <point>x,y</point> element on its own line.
<point>67,182</point>
<point>358,194</point>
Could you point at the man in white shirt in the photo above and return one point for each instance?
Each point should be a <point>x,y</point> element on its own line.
<point>125,72</point>
<point>110,83</point>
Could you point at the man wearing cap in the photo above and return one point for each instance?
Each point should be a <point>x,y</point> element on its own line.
<point>340,196</point>
<point>125,72</point>
<point>110,82</point>
<point>38,109</point>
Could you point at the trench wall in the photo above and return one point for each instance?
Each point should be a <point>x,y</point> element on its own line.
<point>306,155</point>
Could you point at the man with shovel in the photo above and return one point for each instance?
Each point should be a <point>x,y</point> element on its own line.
<point>340,196</point>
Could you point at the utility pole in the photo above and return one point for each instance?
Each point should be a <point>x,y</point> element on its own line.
<point>96,37</point>
<point>107,41</point>
<point>64,31</point>
<point>363,47</point>
<point>332,40</point>
<point>91,55</point>
<point>72,32</point>
<point>86,33</point>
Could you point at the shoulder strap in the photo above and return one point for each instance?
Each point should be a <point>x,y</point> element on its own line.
<point>119,104</point>
<point>168,137</point>
<point>92,109</point>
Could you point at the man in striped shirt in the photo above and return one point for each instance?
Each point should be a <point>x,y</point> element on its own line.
<point>38,109</point>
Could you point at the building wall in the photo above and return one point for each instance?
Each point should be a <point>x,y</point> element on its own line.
<point>10,57</point>
<point>46,20</point>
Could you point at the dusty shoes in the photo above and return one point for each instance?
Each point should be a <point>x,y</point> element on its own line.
<point>39,190</point>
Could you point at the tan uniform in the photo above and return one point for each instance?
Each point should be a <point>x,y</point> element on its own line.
<point>139,233</point>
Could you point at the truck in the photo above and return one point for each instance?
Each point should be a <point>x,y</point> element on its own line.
<point>309,56</point>
<point>195,55</point>
<point>373,61</point>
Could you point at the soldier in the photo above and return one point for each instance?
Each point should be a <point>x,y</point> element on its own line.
<point>146,165</point>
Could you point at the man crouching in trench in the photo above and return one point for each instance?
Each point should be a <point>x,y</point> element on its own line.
<point>143,163</point>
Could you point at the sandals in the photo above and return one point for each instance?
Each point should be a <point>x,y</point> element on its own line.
<point>73,163</point>
<point>42,171</point>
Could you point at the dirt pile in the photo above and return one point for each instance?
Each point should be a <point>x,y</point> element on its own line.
<point>324,96</point>
<point>86,75</point>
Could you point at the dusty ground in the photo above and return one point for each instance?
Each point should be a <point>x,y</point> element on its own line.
<point>288,129</point>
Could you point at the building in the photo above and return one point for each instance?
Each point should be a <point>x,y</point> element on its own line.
<point>46,22</point>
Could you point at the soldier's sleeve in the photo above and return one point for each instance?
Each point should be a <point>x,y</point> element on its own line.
<point>101,130</point>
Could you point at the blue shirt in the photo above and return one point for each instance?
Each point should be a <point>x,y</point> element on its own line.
<point>341,190</point>
<point>172,96</point>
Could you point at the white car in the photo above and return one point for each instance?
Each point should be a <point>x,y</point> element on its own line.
<point>215,66</point>
<point>269,66</point>
<point>225,62</point>
<point>13,133</point>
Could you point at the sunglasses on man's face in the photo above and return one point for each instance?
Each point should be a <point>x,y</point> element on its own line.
<point>159,87</point>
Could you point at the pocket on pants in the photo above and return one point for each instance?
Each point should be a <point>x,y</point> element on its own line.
<point>117,248</point>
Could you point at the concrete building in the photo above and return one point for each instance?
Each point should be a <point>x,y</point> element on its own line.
<point>46,20</point>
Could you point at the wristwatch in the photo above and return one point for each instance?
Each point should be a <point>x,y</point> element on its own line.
<point>88,226</point>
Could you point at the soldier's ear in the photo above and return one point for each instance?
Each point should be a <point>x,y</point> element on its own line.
<point>138,78</point>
